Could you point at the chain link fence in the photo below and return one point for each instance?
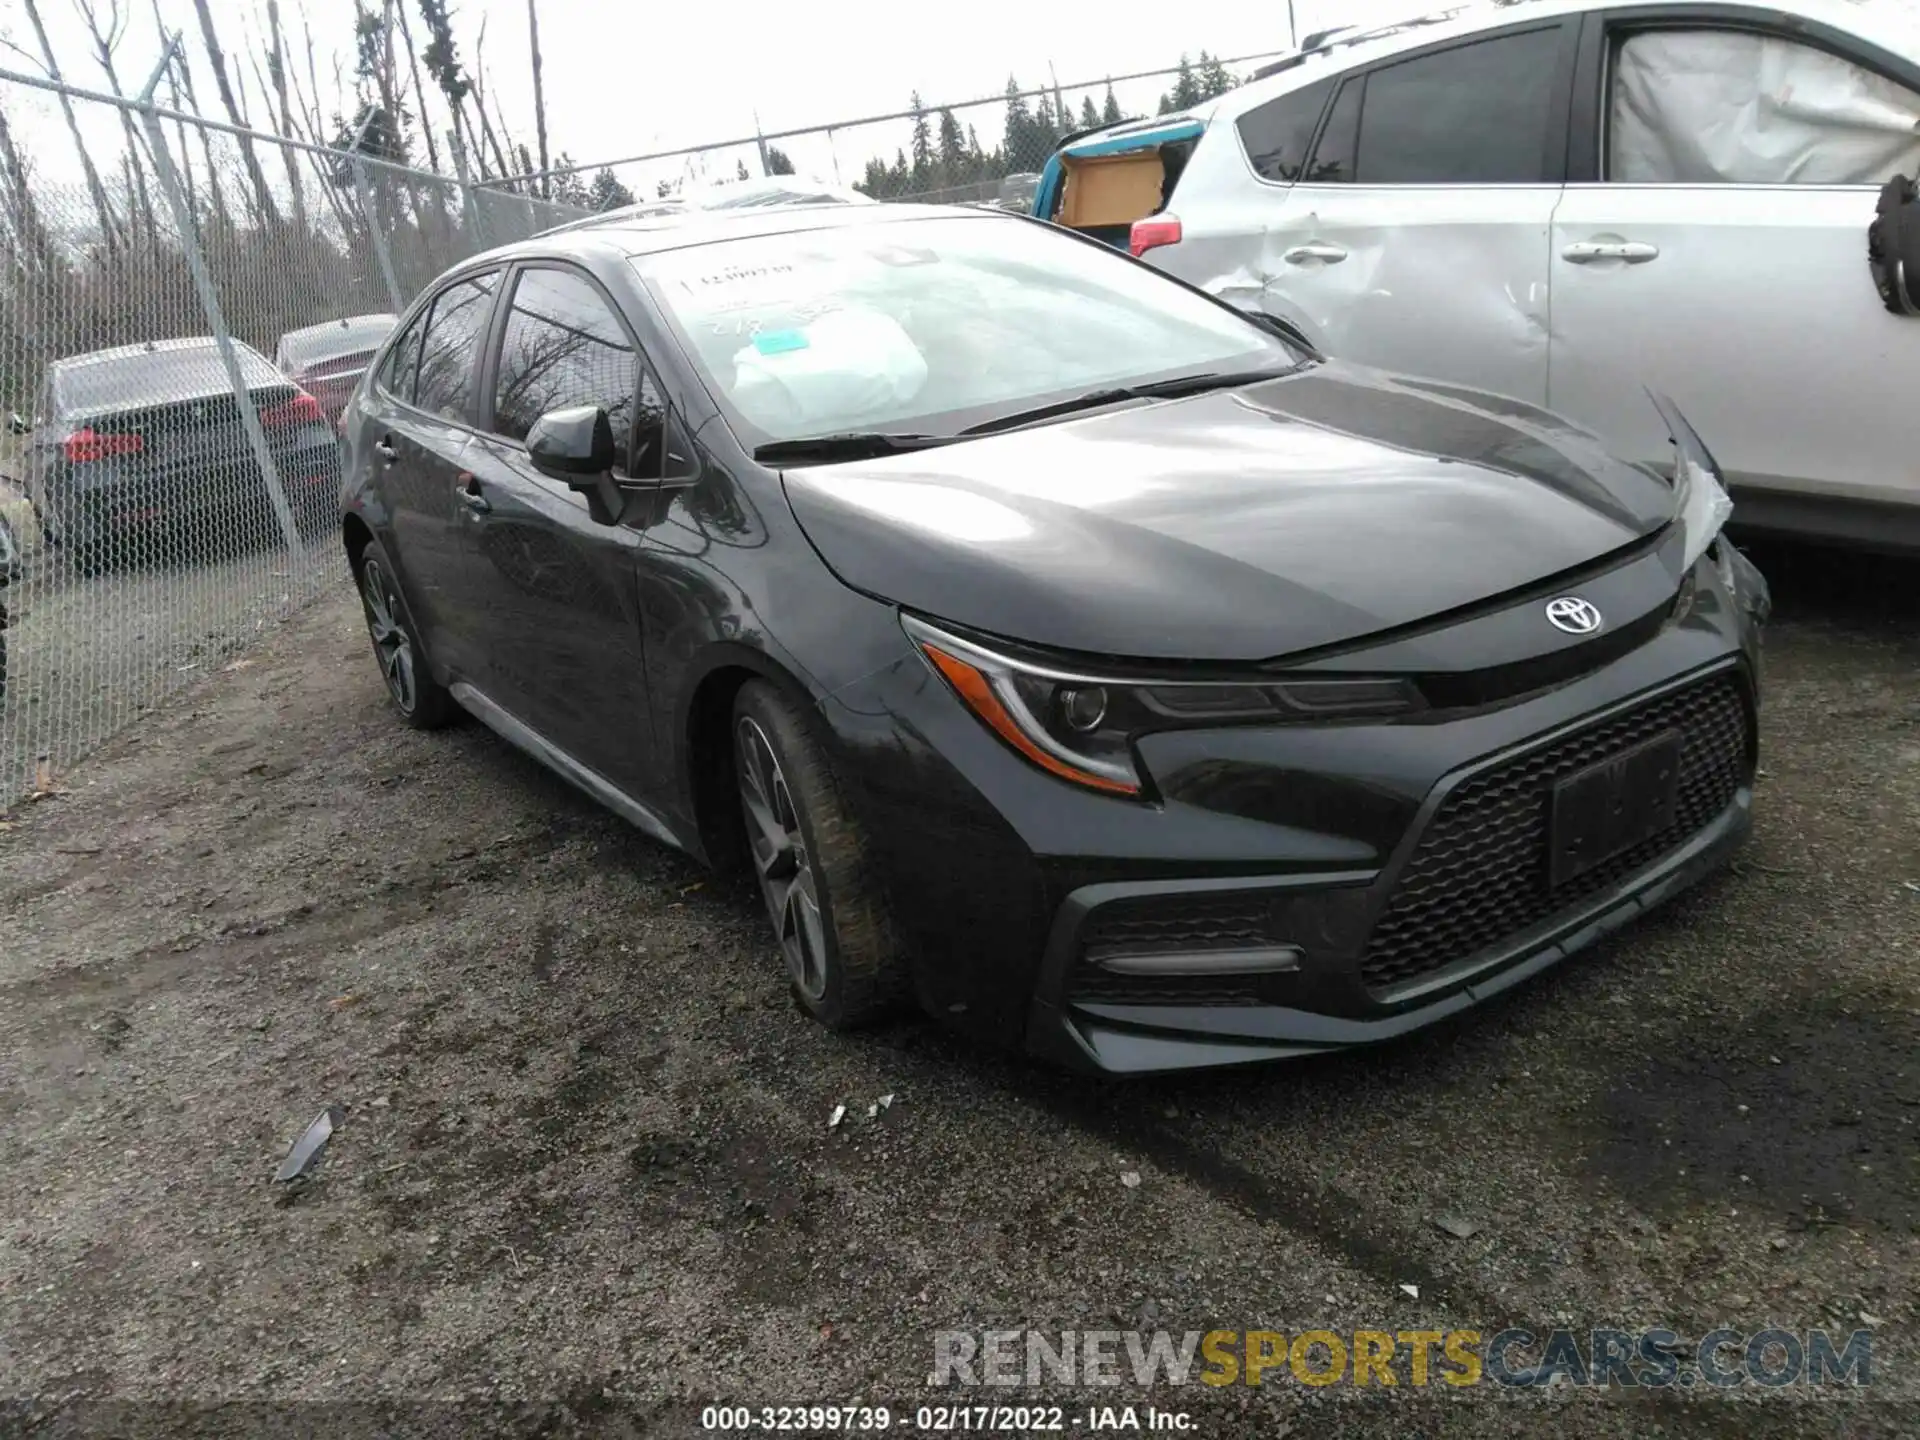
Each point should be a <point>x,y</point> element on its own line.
<point>184,309</point>
<point>185,306</point>
<point>989,149</point>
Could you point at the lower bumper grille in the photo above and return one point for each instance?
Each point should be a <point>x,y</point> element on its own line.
<point>1175,924</point>
<point>1479,873</point>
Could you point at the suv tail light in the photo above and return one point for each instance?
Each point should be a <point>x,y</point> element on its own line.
<point>1153,232</point>
<point>86,445</point>
<point>302,409</point>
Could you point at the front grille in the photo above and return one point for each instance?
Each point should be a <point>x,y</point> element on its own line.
<point>1234,920</point>
<point>1479,873</point>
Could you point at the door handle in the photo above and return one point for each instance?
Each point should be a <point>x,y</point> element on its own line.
<point>1634,252</point>
<point>384,449</point>
<point>1321,250</point>
<point>468,489</point>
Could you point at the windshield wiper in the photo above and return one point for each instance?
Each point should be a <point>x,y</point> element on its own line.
<point>850,445</point>
<point>1152,390</point>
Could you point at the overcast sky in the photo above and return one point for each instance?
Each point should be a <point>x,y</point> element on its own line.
<point>623,79</point>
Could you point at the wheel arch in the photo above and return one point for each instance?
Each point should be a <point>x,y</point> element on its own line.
<point>704,728</point>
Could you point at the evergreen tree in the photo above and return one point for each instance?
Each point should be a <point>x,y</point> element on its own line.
<point>740,170</point>
<point>922,143</point>
<point>606,192</point>
<point>571,188</point>
<point>1019,139</point>
<point>1110,111</point>
<point>1214,78</point>
<point>1089,117</point>
<point>1185,93</point>
<point>777,161</point>
<point>955,163</point>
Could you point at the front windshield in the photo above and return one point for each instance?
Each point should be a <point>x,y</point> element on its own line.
<point>931,325</point>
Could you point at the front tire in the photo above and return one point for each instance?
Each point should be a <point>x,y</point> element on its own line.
<point>422,702</point>
<point>822,889</point>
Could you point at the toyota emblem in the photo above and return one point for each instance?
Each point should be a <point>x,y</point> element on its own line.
<point>1573,615</point>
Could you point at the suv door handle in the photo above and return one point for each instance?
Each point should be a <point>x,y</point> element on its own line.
<point>1634,252</point>
<point>384,449</point>
<point>1321,250</point>
<point>468,489</point>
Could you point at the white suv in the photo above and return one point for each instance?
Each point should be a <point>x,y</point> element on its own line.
<point>1568,203</point>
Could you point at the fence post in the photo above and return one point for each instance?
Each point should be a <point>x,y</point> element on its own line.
<point>374,232</point>
<point>210,299</point>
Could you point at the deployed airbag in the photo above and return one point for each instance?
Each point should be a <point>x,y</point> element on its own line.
<point>835,370</point>
<point>1707,107</point>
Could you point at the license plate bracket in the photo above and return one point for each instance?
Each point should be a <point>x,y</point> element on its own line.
<point>1608,808</point>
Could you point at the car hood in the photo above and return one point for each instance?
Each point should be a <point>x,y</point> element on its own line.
<point>1309,511</point>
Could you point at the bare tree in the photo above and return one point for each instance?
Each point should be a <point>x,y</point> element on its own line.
<point>539,95</point>
<point>263,197</point>
<point>107,34</point>
<point>419,91</point>
<point>32,246</point>
<point>174,66</point>
<point>103,208</point>
<point>182,80</point>
<point>480,103</point>
<point>277,73</point>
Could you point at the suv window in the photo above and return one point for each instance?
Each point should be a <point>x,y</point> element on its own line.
<point>1476,114</point>
<point>446,353</point>
<point>1277,133</point>
<point>562,346</point>
<point>1735,107</point>
<point>1333,157</point>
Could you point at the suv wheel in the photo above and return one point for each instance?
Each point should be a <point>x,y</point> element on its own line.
<point>821,888</point>
<point>421,700</point>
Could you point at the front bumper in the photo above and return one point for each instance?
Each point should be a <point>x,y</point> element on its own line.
<point>1016,890</point>
<point>1156,1038</point>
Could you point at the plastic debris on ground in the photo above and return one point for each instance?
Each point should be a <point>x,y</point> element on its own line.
<point>304,1158</point>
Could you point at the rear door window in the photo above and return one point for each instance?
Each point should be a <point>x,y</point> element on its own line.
<point>1276,135</point>
<point>1334,157</point>
<point>403,360</point>
<point>447,352</point>
<point>1474,114</point>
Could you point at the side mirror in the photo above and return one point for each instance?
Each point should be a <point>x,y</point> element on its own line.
<point>18,424</point>
<point>574,445</point>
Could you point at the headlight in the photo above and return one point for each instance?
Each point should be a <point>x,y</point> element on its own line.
<point>1701,504</point>
<point>1081,727</point>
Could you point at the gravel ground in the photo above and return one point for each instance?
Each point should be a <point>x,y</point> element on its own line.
<point>585,1151</point>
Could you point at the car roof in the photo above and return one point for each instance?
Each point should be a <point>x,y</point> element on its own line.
<point>646,235</point>
<point>154,372</point>
<point>337,337</point>
<point>1894,24</point>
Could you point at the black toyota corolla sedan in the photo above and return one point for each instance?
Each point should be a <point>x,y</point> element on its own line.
<point>1063,649</point>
